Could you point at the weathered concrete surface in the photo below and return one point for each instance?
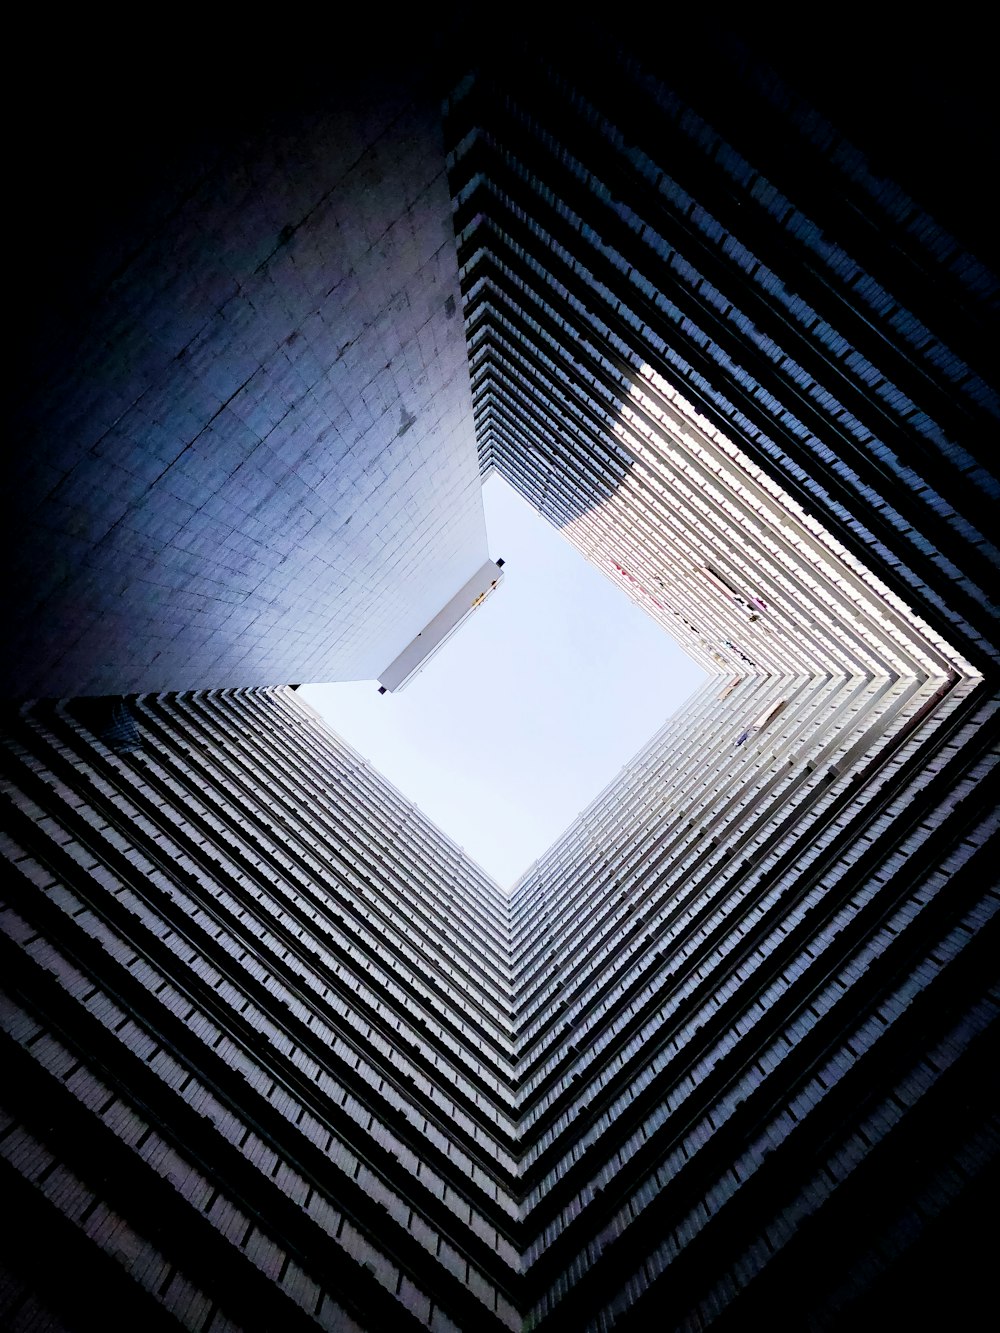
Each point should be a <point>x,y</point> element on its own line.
<point>244,451</point>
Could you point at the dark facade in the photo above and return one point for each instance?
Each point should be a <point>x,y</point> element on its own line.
<point>245,441</point>
<point>724,233</point>
<point>278,1055</point>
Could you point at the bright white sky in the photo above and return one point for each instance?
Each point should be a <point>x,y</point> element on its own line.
<point>531,709</point>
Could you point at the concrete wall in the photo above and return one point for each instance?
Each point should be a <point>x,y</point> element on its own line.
<point>246,451</point>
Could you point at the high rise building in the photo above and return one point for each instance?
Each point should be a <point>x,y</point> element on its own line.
<point>278,1054</point>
